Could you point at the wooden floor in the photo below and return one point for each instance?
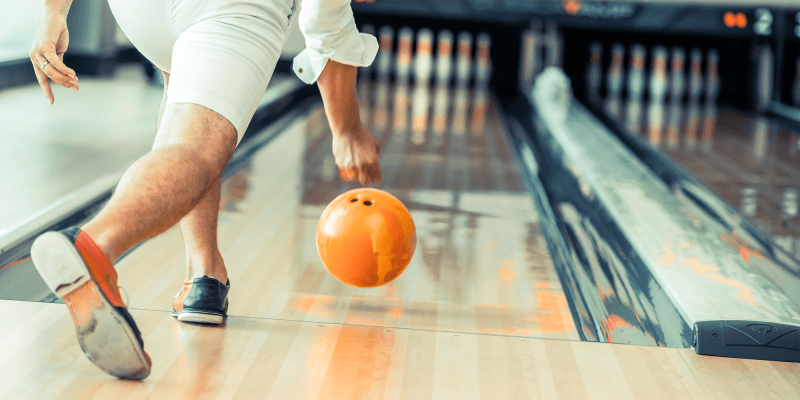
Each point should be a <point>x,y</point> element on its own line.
<point>479,312</point>
<point>269,358</point>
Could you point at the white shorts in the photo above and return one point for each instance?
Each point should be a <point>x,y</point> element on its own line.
<point>220,54</point>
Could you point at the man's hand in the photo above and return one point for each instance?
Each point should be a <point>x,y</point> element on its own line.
<point>48,50</point>
<point>356,152</point>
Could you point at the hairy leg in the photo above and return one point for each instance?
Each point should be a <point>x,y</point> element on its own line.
<point>199,226</point>
<point>192,147</point>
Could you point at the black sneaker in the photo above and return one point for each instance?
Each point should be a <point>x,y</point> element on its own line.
<point>204,300</point>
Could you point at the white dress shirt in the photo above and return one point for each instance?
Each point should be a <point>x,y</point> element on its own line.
<point>331,34</point>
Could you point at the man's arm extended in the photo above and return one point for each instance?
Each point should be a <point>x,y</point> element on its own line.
<point>355,151</point>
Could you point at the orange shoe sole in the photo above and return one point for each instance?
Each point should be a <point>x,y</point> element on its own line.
<point>106,336</point>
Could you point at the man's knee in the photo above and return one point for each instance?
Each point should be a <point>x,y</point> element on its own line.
<point>200,128</point>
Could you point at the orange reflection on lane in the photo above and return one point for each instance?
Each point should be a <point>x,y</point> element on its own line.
<point>611,324</point>
<point>13,263</point>
<point>507,271</point>
<point>668,257</point>
<point>548,313</point>
<point>319,306</point>
<point>711,271</point>
<point>358,356</point>
<point>741,246</point>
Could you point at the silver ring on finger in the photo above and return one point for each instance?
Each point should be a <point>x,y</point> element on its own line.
<point>44,64</point>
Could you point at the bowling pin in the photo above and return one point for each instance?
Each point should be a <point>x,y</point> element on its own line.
<point>444,57</point>
<point>538,45</point>
<point>692,125</point>
<point>789,205</point>
<point>614,107</point>
<point>677,78</point>
<point>381,118</point>
<point>423,59</point>
<point>368,71</point>
<point>674,124</point>
<point>364,100</point>
<point>760,139</point>
<point>464,61</point>
<point>419,114</point>
<point>796,86</point>
<point>636,74</point>
<point>461,101</point>
<point>655,122</point>
<point>420,105</point>
<point>480,103</point>
<point>441,100</point>
<point>633,115</point>
<point>405,39</point>
<point>483,65</point>
<point>695,75</point>
<point>553,45</point>
<point>712,76</point>
<point>749,204</point>
<point>401,98</point>
<point>594,72</point>
<point>384,62</point>
<point>526,69</point>
<point>615,71</point>
<point>763,77</point>
<point>658,75</point>
<point>709,126</point>
<point>789,210</point>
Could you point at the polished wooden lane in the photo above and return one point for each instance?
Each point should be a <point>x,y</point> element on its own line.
<point>482,264</point>
<point>479,313</point>
<point>269,358</point>
<point>747,159</point>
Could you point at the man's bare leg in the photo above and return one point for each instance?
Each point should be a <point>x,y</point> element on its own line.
<point>192,147</point>
<point>199,226</point>
<point>199,229</point>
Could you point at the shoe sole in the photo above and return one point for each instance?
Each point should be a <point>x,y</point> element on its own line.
<point>198,317</point>
<point>103,333</point>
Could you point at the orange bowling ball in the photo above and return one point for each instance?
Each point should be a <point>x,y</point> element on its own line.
<point>366,237</point>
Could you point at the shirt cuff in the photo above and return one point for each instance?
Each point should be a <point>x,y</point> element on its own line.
<point>308,65</point>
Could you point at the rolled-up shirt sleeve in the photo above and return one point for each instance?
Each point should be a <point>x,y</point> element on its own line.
<point>331,34</point>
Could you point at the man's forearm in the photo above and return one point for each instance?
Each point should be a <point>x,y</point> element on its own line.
<point>337,84</point>
<point>60,6</point>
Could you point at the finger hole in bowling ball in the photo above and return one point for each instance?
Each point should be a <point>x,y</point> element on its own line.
<point>353,200</point>
<point>367,203</point>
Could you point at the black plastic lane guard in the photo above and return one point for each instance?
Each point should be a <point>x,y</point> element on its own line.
<point>748,339</point>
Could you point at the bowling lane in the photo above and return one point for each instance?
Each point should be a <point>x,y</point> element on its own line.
<point>482,263</point>
<point>747,159</point>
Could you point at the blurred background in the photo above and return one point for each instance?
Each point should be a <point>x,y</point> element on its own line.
<point>742,55</point>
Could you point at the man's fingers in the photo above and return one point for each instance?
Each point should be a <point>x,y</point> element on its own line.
<point>376,174</point>
<point>56,60</point>
<point>58,72</point>
<point>370,174</point>
<point>51,70</point>
<point>44,81</point>
<point>363,177</point>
